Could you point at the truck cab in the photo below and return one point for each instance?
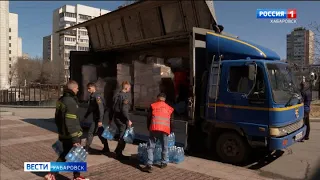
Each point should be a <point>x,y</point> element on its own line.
<point>251,99</point>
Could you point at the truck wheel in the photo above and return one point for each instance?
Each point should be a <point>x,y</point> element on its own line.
<point>232,148</point>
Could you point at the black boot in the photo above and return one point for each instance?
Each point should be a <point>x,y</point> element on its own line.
<point>105,149</point>
<point>163,165</point>
<point>122,157</point>
<point>88,149</point>
<point>147,168</point>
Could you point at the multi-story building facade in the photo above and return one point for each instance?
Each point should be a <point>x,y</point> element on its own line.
<point>4,41</point>
<point>10,44</point>
<point>76,40</point>
<point>47,48</point>
<point>300,47</point>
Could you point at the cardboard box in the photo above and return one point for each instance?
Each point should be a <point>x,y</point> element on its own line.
<point>147,82</point>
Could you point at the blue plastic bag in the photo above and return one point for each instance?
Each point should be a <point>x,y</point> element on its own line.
<point>109,133</point>
<point>128,136</point>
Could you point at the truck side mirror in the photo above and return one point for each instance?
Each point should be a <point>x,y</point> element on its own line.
<point>252,71</point>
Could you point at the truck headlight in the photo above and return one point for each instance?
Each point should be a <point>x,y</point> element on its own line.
<point>276,132</point>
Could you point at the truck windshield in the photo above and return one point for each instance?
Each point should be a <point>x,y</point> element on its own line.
<point>282,82</point>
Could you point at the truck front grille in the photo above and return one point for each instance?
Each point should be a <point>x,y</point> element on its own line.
<point>293,127</point>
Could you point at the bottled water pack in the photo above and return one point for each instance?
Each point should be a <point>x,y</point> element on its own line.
<point>142,153</point>
<point>129,135</point>
<point>77,154</point>
<point>57,147</point>
<point>175,154</point>
<point>108,133</point>
<point>171,140</point>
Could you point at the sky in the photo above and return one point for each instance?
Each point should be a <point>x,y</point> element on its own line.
<point>237,17</point>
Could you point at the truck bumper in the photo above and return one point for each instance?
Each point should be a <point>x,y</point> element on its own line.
<point>286,141</point>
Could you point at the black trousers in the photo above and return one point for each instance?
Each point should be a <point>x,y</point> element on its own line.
<point>95,130</point>
<point>122,126</point>
<point>67,146</point>
<point>307,123</point>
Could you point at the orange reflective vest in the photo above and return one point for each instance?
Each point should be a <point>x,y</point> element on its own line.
<point>161,113</point>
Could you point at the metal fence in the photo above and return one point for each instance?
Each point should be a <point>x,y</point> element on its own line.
<point>31,95</point>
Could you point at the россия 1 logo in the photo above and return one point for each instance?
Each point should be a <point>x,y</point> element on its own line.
<point>278,15</point>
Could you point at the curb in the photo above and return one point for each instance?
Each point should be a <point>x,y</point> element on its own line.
<point>6,113</point>
<point>315,119</point>
<point>17,106</point>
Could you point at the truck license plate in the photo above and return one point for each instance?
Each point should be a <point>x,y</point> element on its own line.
<point>298,136</point>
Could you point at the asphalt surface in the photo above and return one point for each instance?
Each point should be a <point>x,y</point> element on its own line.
<point>300,161</point>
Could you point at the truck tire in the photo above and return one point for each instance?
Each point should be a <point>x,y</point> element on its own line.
<point>231,148</point>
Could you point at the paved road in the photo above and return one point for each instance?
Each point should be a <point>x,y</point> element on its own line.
<point>28,138</point>
<point>297,162</point>
<point>300,161</point>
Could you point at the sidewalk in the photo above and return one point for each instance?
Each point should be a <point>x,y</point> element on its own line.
<point>22,141</point>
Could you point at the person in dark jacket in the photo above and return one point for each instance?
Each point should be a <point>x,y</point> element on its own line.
<point>159,123</point>
<point>97,108</point>
<point>68,124</point>
<point>307,98</point>
<point>120,114</point>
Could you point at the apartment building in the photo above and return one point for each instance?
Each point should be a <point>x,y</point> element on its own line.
<point>10,44</point>
<point>47,48</point>
<point>300,47</point>
<point>4,41</point>
<point>75,40</point>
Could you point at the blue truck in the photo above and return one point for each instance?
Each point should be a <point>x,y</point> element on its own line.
<point>243,97</point>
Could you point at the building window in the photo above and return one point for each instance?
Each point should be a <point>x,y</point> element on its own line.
<point>9,65</point>
<point>84,17</point>
<point>9,44</point>
<point>9,51</point>
<point>9,29</point>
<point>9,37</point>
<point>84,40</point>
<point>70,39</point>
<point>70,47</point>
<point>67,14</point>
<point>83,48</point>
<point>9,58</point>
<point>83,33</point>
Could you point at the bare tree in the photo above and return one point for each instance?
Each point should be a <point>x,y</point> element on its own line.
<point>36,70</point>
<point>13,74</point>
<point>57,71</point>
<point>24,68</point>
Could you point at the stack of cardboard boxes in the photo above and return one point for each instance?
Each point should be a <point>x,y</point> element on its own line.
<point>89,74</point>
<point>123,74</point>
<point>147,80</point>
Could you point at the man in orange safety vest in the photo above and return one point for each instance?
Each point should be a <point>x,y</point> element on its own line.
<point>159,125</point>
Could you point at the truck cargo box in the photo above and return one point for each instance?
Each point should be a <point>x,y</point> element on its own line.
<point>164,29</point>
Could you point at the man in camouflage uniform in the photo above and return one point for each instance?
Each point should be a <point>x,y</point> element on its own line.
<point>97,108</point>
<point>120,114</point>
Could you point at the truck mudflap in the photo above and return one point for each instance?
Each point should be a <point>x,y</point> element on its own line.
<point>286,141</point>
